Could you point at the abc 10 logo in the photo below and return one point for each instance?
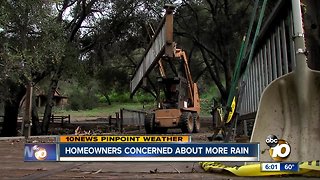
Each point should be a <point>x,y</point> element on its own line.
<point>279,148</point>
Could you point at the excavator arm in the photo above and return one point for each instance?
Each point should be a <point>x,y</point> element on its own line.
<point>182,55</point>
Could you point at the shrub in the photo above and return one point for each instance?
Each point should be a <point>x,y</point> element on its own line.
<point>102,99</point>
<point>80,100</point>
<point>89,101</point>
<point>74,101</point>
<point>145,98</point>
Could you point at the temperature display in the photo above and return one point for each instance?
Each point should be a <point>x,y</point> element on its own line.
<point>281,166</point>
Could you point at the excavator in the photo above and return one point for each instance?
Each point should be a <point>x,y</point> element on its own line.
<point>178,98</point>
<point>180,105</point>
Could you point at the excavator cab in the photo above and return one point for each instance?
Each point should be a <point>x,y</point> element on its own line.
<point>174,93</point>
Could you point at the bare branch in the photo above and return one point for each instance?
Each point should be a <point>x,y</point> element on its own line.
<point>213,75</point>
<point>86,10</point>
<point>208,50</point>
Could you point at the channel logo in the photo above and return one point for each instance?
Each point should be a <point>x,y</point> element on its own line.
<point>279,148</point>
<point>40,152</point>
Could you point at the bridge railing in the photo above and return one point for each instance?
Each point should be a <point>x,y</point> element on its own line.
<point>273,57</point>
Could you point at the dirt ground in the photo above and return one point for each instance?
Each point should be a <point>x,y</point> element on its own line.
<point>12,165</point>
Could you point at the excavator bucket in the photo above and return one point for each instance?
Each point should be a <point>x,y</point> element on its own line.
<point>290,106</point>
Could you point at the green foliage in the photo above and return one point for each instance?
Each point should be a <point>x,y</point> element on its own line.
<point>144,97</point>
<point>206,99</point>
<point>213,38</point>
<point>81,100</point>
<point>102,99</point>
<point>119,96</point>
<point>113,78</point>
<point>82,96</point>
<point>124,97</point>
<point>109,38</point>
<point>31,42</point>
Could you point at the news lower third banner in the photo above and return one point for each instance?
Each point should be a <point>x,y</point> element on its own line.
<point>124,139</point>
<point>158,152</point>
<point>141,151</point>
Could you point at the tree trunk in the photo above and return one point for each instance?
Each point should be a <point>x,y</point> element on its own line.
<point>35,128</point>
<point>218,83</point>
<point>108,99</point>
<point>312,32</point>
<point>50,102</point>
<point>228,77</point>
<point>11,110</point>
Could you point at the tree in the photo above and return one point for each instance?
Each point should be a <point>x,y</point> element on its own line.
<point>216,30</point>
<point>105,40</point>
<point>116,45</point>
<point>48,38</point>
<point>25,28</point>
<point>81,10</point>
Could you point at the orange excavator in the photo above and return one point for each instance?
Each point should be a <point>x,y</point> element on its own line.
<point>178,102</point>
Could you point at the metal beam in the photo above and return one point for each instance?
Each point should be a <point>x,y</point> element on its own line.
<point>149,60</point>
<point>162,43</point>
